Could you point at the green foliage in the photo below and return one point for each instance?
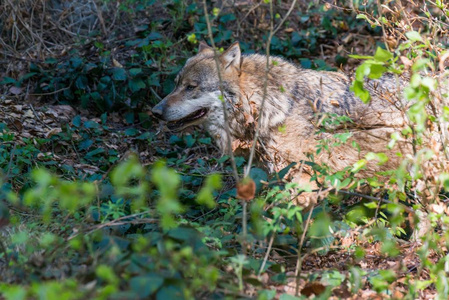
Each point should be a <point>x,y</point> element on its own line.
<point>172,228</point>
<point>373,68</point>
<point>97,75</point>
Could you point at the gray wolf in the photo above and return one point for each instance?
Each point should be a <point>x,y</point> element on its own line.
<point>296,101</point>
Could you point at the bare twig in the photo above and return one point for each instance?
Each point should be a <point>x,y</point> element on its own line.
<point>406,208</point>
<point>246,15</point>
<point>10,160</point>
<point>3,248</point>
<point>155,94</point>
<point>52,93</point>
<point>299,259</point>
<point>270,244</point>
<point>226,118</point>
<point>225,113</point>
<point>38,118</point>
<point>116,222</point>
<point>244,226</point>
<point>100,18</point>
<point>265,86</point>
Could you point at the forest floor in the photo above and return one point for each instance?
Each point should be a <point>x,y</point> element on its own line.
<point>41,128</point>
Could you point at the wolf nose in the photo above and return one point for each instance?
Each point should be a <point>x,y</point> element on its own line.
<point>157,112</point>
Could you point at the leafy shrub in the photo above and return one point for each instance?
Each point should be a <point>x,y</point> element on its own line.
<point>115,228</point>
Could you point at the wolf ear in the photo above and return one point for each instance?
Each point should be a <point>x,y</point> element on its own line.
<point>232,56</point>
<point>205,48</point>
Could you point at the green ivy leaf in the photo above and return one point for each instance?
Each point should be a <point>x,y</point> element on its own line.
<point>258,175</point>
<point>7,80</point>
<point>76,121</point>
<point>135,71</point>
<point>118,74</point>
<point>146,285</point>
<point>285,170</point>
<point>136,84</point>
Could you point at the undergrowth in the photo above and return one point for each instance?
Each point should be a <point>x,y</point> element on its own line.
<point>111,206</point>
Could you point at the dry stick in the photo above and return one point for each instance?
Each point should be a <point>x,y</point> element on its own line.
<point>406,208</point>
<point>265,86</point>
<point>38,118</point>
<point>3,249</point>
<point>246,15</point>
<point>52,93</point>
<point>113,223</point>
<point>264,97</point>
<point>100,18</point>
<point>379,203</point>
<point>443,134</point>
<point>155,94</point>
<point>270,244</point>
<point>226,118</point>
<point>10,161</point>
<point>41,55</point>
<point>225,113</point>
<point>299,260</point>
<point>396,77</point>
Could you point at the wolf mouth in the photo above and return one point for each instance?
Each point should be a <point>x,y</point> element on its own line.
<point>195,116</point>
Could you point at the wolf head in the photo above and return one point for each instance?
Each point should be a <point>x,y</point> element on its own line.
<point>196,98</point>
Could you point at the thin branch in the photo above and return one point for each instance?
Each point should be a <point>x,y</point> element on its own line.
<point>155,94</point>
<point>5,253</point>
<point>265,86</point>
<point>225,113</point>
<point>301,242</point>
<point>116,222</point>
<point>244,226</point>
<point>10,161</point>
<point>226,125</point>
<point>52,93</point>
<point>270,244</point>
<point>406,208</point>
<point>38,118</point>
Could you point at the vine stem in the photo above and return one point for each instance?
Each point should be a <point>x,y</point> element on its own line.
<point>225,112</point>
<point>265,85</point>
<point>299,260</point>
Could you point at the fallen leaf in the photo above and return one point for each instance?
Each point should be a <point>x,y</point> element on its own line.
<point>116,63</point>
<point>347,39</point>
<point>52,132</point>
<point>17,124</point>
<point>87,168</point>
<point>15,90</point>
<point>313,288</point>
<point>61,112</point>
<point>17,108</point>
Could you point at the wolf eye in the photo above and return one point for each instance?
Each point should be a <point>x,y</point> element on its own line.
<point>190,87</point>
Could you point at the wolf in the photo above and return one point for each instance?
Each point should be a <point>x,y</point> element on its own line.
<point>297,103</point>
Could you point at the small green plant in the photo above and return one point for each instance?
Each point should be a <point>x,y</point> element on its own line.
<point>111,205</point>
